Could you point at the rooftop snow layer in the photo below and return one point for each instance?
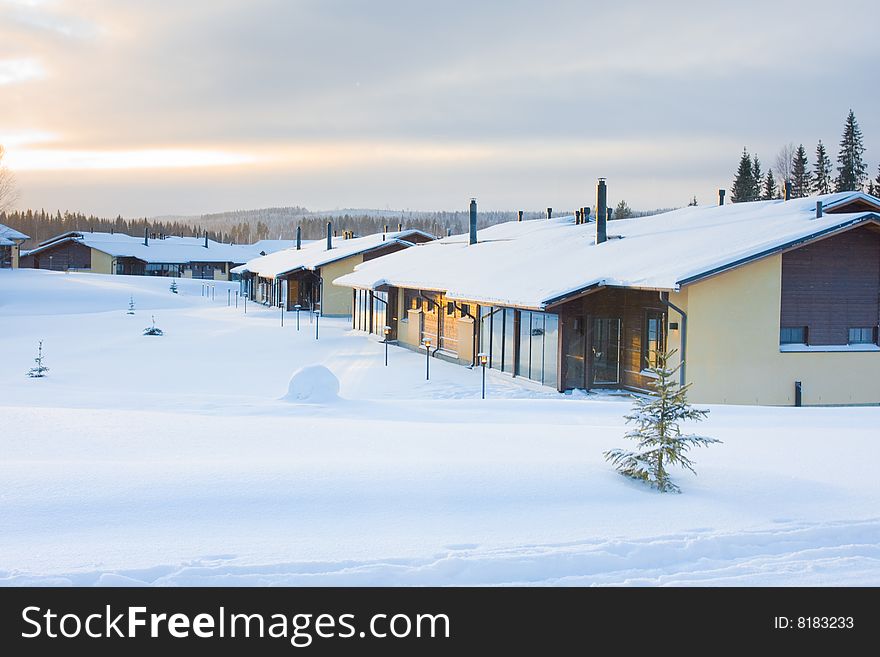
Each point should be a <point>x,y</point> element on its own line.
<point>10,236</point>
<point>167,250</point>
<point>315,254</point>
<point>532,263</point>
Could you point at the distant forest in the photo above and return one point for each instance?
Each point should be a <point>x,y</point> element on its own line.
<point>248,226</point>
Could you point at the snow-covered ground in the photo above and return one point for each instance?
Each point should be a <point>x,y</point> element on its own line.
<point>177,460</point>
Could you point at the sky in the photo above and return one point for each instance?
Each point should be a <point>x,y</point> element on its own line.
<point>160,107</point>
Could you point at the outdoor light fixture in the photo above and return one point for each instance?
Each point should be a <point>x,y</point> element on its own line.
<point>317,316</point>
<point>387,332</point>
<point>483,358</point>
<point>427,345</point>
<point>297,308</point>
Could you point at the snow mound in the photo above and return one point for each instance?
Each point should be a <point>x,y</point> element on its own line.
<point>313,383</point>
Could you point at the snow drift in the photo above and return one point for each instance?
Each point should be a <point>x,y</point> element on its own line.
<point>313,383</point>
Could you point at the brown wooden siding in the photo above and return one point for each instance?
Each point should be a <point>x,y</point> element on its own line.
<point>832,285</point>
<point>69,255</point>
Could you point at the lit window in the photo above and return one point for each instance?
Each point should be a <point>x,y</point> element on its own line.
<point>654,339</point>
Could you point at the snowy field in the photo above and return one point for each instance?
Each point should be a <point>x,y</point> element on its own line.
<point>175,460</point>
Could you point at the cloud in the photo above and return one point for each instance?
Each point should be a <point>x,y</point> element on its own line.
<point>20,70</point>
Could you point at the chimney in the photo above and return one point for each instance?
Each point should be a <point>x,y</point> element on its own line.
<point>577,217</point>
<point>448,232</point>
<point>472,239</point>
<point>146,236</point>
<point>819,209</point>
<point>399,228</point>
<point>721,193</point>
<point>549,213</point>
<point>787,190</point>
<point>585,214</point>
<point>206,239</point>
<point>329,236</point>
<point>519,214</point>
<point>601,212</point>
<point>299,235</point>
<point>610,211</point>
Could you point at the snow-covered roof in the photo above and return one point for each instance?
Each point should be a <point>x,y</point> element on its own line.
<point>533,264</point>
<point>313,255</point>
<point>271,246</point>
<point>165,250</point>
<point>10,236</point>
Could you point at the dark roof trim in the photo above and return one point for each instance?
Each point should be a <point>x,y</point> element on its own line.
<point>827,232</point>
<point>574,294</point>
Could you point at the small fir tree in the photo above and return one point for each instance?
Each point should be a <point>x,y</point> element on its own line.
<point>743,188</point>
<point>758,178</point>
<point>851,172</point>
<point>800,175</point>
<point>173,286</point>
<point>771,191</point>
<point>130,306</point>
<point>693,202</point>
<point>876,183</point>
<point>152,330</point>
<point>822,170</point>
<point>40,370</point>
<point>660,441</point>
<point>622,211</point>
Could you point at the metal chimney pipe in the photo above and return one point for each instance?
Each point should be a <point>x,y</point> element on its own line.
<point>585,214</point>
<point>819,209</point>
<point>146,236</point>
<point>206,239</point>
<point>299,235</point>
<point>601,212</point>
<point>721,193</point>
<point>549,213</point>
<point>448,232</point>
<point>399,228</point>
<point>329,236</point>
<point>577,217</point>
<point>472,236</point>
<point>610,212</point>
<point>519,214</point>
<point>787,190</point>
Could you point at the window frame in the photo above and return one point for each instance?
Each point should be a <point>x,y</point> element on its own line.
<point>660,317</point>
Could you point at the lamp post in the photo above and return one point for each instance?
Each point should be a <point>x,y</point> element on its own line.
<point>297,308</point>
<point>281,307</point>
<point>427,345</point>
<point>228,298</point>
<point>317,317</point>
<point>387,331</point>
<point>212,291</point>
<point>236,298</point>
<point>483,360</point>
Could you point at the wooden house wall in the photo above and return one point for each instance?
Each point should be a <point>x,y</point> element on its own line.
<point>832,285</point>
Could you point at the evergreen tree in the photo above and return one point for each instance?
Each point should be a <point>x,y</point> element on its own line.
<point>660,441</point>
<point>744,183</point>
<point>758,178</point>
<point>130,306</point>
<point>40,370</point>
<point>770,189</point>
<point>693,202</point>
<point>851,172</point>
<point>153,329</point>
<point>622,211</point>
<point>876,184</point>
<point>822,171</point>
<point>800,175</point>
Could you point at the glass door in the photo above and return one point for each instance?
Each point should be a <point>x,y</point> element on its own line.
<point>573,361</point>
<point>606,351</point>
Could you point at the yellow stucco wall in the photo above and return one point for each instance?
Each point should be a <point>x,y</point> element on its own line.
<point>464,327</point>
<point>733,351</point>
<point>187,273</point>
<point>102,263</point>
<point>336,299</point>
<point>15,255</point>
<point>408,332</point>
<point>221,276</point>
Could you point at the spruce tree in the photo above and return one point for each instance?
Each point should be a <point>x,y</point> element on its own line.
<point>744,184</point>
<point>40,370</point>
<point>770,189</point>
<point>660,441</point>
<point>800,175</point>
<point>851,172</point>
<point>757,177</point>
<point>822,171</point>
<point>876,191</point>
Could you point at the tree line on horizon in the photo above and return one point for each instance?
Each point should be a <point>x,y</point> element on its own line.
<point>792,165</point>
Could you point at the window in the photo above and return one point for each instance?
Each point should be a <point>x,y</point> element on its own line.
<point>863,335</point>
<point>465,310</point>
<point>793,335</point>
<point>450,308</point>
<point>410,300</point>
<point>654,338</point>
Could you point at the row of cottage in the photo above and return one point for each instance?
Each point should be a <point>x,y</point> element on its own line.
<point>770,302</point>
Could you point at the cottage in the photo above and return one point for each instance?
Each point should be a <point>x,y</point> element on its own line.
<point>156,255</point>
<point>10,246</point>
<point>771,302</point>
<point>301,275</point>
